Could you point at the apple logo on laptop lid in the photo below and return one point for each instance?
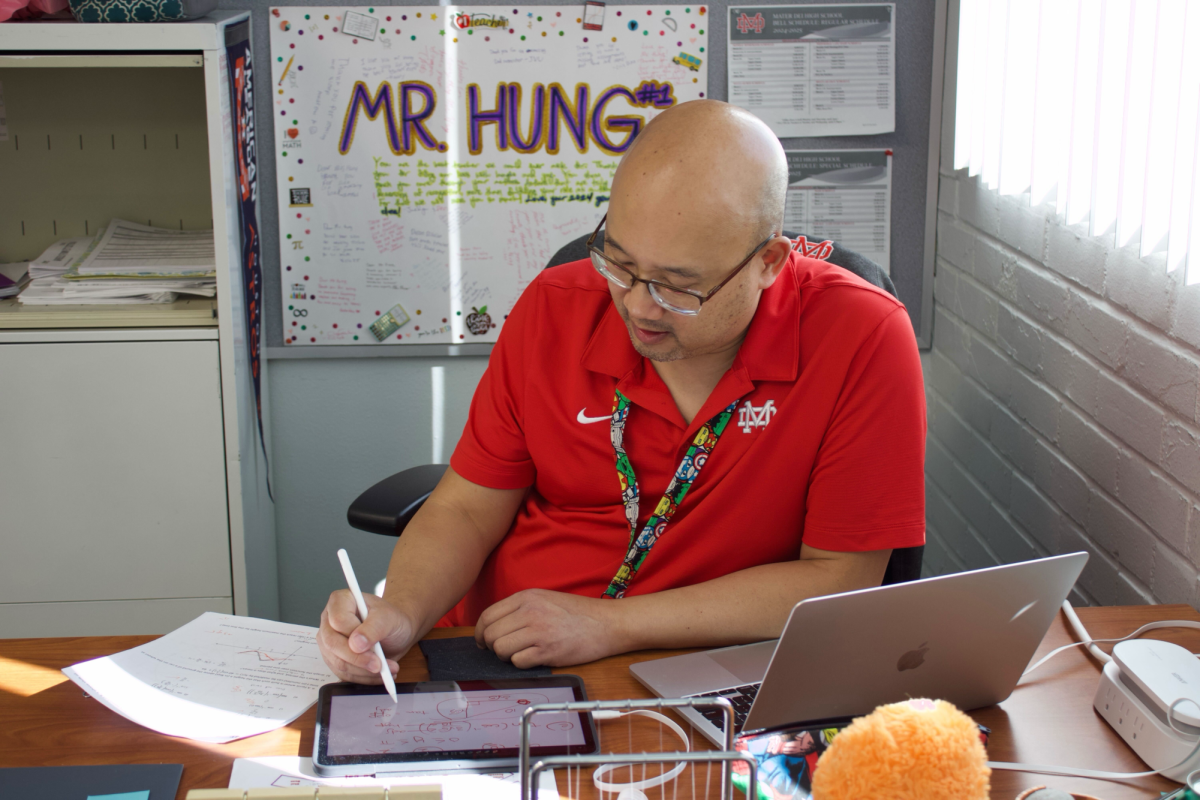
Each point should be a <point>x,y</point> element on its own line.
<point>913,658</point>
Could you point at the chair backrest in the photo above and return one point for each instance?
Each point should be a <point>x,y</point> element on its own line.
<point>905,562</point>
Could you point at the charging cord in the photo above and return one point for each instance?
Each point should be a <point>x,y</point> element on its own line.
<point>1085,639</point>
<point>1072,772</point>
<point>633,789</point>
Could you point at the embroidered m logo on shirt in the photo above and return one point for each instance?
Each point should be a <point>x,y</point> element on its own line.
<point>750,417</point>
<point>817,250</point>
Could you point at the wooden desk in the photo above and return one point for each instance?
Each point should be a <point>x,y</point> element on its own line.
<point>46,720</point>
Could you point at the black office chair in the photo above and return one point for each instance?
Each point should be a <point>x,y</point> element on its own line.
<point>388,506</point>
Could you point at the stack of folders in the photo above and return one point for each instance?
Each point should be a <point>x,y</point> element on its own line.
<point>124,263</point>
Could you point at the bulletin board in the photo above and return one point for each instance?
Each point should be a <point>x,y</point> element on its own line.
<point>431,159</point>
<point>920,54</point>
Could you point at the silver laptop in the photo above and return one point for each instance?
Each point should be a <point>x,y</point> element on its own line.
<point>965,638</point>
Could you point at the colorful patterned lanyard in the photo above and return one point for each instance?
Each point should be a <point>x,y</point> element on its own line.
<point>689,469</point>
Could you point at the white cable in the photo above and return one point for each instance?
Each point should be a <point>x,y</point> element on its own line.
<point>1087,640</point>
<point>645,783</point>
<point>1112,776</point>
<point>1082,632</point>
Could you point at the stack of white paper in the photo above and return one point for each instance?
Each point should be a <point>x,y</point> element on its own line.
<point>52,292</point>
<point>216,679</point>
<point>59,257</point>
<point>77,291</point>
<point>124,263</point>
<point>128,249</point>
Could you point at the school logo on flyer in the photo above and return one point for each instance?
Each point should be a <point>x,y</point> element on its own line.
<point>753,417</point>
<point>753,24</point>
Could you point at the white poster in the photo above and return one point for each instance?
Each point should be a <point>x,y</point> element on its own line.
<point>842,196</point>
<point>432,159</point>
<point>815,70</point>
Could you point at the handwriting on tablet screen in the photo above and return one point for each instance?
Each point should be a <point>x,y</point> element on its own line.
<point>445,721</point>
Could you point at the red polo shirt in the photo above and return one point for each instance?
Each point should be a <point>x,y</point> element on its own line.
<point>827,446</point>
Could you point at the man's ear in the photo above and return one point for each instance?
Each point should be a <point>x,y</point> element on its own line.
<point>774,256</point>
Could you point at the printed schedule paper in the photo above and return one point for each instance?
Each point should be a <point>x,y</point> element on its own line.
<point>216,679</point>
<point>842,196</point>
<point>815,70</point>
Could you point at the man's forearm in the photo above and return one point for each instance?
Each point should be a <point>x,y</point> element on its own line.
<point>444,547</point>
<point>750,605</point>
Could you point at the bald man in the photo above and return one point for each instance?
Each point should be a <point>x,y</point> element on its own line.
<point>675,441</point>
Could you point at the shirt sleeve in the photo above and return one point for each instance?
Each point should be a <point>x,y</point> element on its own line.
<point>867,490</point>
<point>492,451</point>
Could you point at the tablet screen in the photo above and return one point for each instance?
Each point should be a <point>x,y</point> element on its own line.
<point>448,721</point>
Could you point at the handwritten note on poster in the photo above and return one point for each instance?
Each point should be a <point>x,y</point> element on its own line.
<point>436,160</point>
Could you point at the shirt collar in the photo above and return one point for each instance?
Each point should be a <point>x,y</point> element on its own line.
<point>770,351</point>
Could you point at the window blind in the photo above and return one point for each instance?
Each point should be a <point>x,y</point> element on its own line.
<point>1091,105</point>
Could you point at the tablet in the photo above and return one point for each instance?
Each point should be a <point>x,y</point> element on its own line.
<point>445,726</point>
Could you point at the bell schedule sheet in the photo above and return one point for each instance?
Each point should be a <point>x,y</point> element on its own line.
<point>815,70</point>
<point>842,196</point>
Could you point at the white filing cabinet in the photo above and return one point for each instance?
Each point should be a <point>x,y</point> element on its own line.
<point>132,484</point>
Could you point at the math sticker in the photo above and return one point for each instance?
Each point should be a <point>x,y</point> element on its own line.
<point>390,322</point>
<point>300,197</point>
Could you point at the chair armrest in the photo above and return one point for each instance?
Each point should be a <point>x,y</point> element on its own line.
<point>388,506</point>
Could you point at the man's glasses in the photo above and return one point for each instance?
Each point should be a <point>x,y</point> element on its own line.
<point>672,298</point>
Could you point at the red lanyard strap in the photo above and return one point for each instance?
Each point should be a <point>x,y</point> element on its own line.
<point>685,475</point>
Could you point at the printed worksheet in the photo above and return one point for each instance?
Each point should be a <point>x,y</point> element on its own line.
<point>216,679</point>
<point>285,772</point>
<point>842,196</point>
<point>815,70</point>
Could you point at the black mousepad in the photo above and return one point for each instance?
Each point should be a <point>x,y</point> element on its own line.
<point>460,659</point>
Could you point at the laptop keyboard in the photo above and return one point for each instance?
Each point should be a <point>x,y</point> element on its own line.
<point>742,697</point>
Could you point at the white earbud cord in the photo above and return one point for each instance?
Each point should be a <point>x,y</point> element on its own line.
<point>645,783</point>
<point>1090,643</point>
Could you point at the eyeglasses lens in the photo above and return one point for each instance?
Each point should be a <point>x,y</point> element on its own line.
<point>678,302</point>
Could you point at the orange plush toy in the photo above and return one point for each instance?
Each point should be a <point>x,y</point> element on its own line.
<point>915,750</point>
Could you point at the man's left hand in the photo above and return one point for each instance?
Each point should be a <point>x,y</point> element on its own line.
<point>538,627</point>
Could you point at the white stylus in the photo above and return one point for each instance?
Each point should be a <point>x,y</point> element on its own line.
<point>352,582</point>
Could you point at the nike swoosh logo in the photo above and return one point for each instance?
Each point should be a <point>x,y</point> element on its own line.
<point>583,419</point>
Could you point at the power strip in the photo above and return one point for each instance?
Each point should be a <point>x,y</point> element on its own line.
<point>1139,713</point>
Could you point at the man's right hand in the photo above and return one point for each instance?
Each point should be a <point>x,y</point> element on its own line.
<point>347,642</point>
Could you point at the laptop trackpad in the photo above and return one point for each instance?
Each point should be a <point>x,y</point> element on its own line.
<point>748,662</point>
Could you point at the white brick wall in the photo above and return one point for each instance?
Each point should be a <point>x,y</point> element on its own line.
<point>1064,402</point>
